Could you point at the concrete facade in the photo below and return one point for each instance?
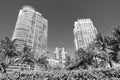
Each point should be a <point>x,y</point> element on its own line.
<point>84,33</point>
<point>31,28</point>
<point>60,55</point>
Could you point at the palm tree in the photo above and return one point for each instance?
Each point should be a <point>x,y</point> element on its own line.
<point>8,48</point>
<point>114,44</point>
<point>7,52</point>
<point>99,42</point>
<point>28,55</point>
<point>116,33</point>
<point>109,56</point>
<point>68,61</point>
<point>82,59</point>
<point>102,44</point>
<point>42,60</point>
<point>110,47</point>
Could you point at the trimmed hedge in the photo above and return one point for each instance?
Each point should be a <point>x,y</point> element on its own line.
<point>94,74</point>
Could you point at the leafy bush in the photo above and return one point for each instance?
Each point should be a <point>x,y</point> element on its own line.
<point>94,74</point>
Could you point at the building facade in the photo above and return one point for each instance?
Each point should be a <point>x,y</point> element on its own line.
<point>84,33</point>
<point>60,55</point>
<point>31,28</point>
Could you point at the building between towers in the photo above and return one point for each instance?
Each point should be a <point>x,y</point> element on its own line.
<point>84,33</point>
<point>60,56</point>
<point>31,29</point>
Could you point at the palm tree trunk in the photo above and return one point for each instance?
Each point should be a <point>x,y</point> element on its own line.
<point>45,66</point>
<point>96,61</point>
<point>110,64</point>
<point>110,61</point>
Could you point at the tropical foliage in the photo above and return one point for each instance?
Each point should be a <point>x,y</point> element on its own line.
<point>99,61</point>
<point>95,74</point>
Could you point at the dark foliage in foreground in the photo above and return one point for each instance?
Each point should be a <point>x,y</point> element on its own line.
<point>96,74</point>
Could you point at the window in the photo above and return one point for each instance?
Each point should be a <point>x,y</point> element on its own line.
<point>44,27</point>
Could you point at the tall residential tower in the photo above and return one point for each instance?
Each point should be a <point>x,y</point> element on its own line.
<point>31,28</point>
<point>84,33</point>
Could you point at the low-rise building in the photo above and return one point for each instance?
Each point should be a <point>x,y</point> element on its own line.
<point>60,55</point>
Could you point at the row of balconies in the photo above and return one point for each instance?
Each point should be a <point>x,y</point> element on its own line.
<point>20,67</point>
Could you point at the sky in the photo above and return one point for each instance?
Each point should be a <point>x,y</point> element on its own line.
<point>61,15</point>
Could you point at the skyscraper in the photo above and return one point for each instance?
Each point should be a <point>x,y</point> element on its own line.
<point>31,28</point>
<point>84,33</point>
